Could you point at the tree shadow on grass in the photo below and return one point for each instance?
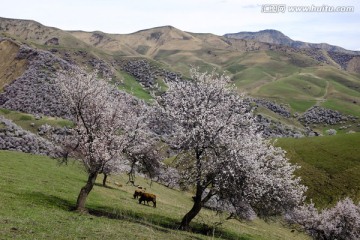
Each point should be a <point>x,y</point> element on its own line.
<point>106,186</point>
<point>49,200</point>
<point>161,222</point>
<point>156,221</point>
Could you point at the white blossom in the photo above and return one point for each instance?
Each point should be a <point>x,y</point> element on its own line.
<point>341,222</point>
<point>108,125</point>
<point>220,149</point>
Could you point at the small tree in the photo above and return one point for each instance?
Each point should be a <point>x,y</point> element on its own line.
<point>340,222</point>
<point>220,151</point>
<point>111,167</point>
<point>106,123</point>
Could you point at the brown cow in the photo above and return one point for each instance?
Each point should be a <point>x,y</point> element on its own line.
<point>148,197</point>
<point>138,192</point>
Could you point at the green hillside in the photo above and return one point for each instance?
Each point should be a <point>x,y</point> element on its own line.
<point>330,166</point>
<point>290,78</point>
<point>36,195</point>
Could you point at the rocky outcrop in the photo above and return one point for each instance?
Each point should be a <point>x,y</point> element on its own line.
<point>274,107</point>
<point>270,128</point>
<point>145,73</point>
<point>13,137</point>
<point>320,115</point>
<point>341,58</point>
<point>141,70</point>
<point>35,91</point>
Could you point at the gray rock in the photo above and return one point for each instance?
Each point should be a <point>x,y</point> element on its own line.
<point>13,137</point>
<point>320,115</point>
<point>35,91</point>
<point>274,107</point>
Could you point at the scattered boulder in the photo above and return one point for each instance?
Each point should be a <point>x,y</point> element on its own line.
<point>331,132</point>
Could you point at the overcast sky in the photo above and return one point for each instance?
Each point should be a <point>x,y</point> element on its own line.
<point>211,16</point>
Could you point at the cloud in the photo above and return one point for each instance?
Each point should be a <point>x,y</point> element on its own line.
<point>252,6</point>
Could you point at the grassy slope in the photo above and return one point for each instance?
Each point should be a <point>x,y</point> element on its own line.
<point>25,120</point>
<point>291,78</point>
<point>36,195</point>
<point>130,85</point>
<point>296,80</point>
<point>330,166</point>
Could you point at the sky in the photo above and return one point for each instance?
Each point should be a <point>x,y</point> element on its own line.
<point>199,16</point>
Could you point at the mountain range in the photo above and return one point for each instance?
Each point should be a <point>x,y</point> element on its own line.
<point>266,64</point>
<point>276,37</point>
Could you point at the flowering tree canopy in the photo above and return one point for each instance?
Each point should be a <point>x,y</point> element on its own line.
<point>107,123</point>
<point>220,149</point>
<point>340,222</point>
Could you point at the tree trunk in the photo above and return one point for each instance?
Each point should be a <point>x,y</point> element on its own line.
<point>198,204</point>
<point>104,180</point>
<point>84,192</point>
<point>184,225</point>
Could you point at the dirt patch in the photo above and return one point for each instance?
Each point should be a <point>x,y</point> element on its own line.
<point>10,67</point>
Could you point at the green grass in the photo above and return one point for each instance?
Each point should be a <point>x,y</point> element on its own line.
<point>343,106</point>
<point>37,195</point>
<point>235,68</point>
<point>133,87</point>
<point>162,85</point>
<point>301,105</point>
<point>25,120</point>
<point>330,166</point>
<point>294,86</point>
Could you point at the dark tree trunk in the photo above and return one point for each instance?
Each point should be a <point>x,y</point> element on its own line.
<point>198,204</point>
<point>104,179</point>
<point>185,223</point>
<point>84,192</point>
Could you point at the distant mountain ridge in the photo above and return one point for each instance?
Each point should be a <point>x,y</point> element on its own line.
<point>267,64</point>
<point>276,37</point>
